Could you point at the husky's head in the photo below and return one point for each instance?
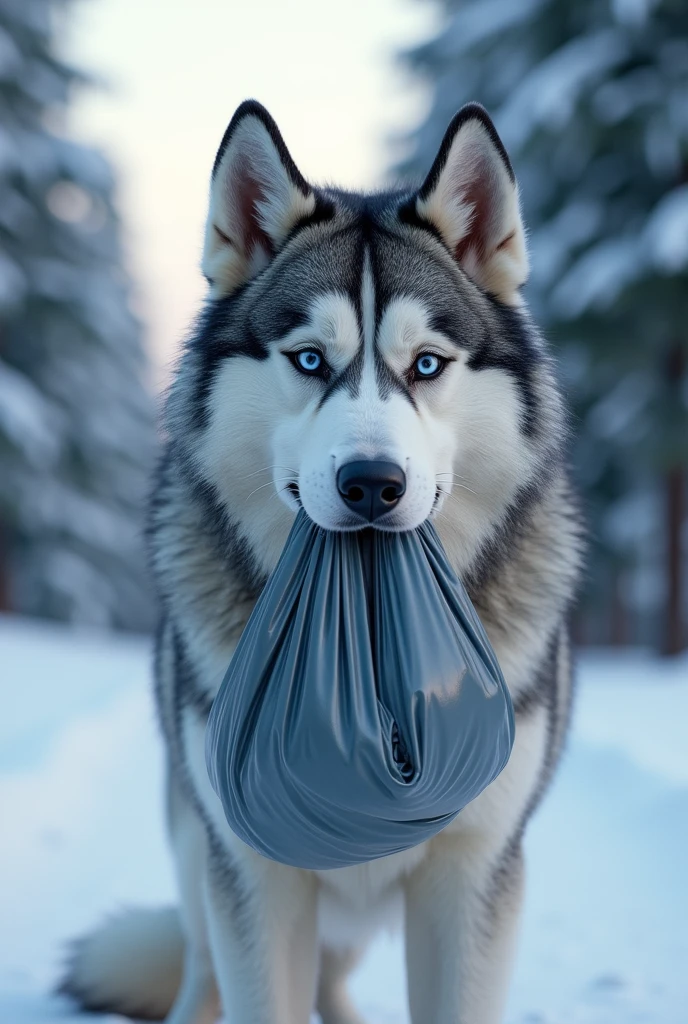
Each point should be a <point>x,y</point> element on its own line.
<point>366,357</point>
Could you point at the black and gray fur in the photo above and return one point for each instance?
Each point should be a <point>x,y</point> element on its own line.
<point>451,256</point>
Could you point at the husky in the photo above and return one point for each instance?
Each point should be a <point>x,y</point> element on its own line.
<point>385,334</point>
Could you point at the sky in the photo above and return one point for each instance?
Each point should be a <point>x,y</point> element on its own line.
<point>174,73</point>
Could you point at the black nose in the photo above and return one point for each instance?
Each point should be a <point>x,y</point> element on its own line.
<point>371,488</point>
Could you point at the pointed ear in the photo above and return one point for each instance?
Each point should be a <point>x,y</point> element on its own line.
<point>257,195</point>
<point>471,198</point>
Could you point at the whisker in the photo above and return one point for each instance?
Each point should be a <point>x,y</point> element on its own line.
<point>436,514</point>
<point>453,476</point>
<point>287,469</point>
<point>268,484</point>
<point>453,497</point>
<point>276,493</point>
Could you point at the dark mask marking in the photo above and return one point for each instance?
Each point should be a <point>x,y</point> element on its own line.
<point>348,380</point>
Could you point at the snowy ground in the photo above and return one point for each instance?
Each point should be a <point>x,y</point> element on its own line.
<point>605,937</point>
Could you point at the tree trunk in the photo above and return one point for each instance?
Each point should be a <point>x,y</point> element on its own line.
<point>4,582</point>
<point>618,612</point>
<point>675,490</point>
<point>675,487</point>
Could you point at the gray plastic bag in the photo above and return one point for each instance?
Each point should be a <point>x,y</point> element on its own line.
<point>363,707</point>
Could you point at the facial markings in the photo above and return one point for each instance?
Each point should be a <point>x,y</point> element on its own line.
<point>350,326</point>
<point>368,388</point>
<point>390,378</point>
<point>388,383</point>
<point>359,376</point>
<point>348,380</point>
<point>366,419</point>
<point>330,326</point>
<point>405,332</point>
<point>427,274</point>
<point>386,338</point>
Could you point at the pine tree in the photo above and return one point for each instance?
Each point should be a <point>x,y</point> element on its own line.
<point>76,419</point>
<point>591,99</point>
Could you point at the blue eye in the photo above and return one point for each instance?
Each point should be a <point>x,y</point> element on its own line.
<point>428,365</point>
<point>309,361</point>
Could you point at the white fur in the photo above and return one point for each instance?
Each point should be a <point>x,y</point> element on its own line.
<point>464,437</point>
<point>143,954</point>
<point>464,440</point>
<point>254,925</point>
<point>367,427</point>
<point>138,952</point>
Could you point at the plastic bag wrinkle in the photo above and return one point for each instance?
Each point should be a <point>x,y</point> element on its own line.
<point>363,707</point>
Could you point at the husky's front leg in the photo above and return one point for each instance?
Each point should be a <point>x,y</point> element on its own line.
<point>262,921</point>
<point>462,911</point>
<point>196,1001</point>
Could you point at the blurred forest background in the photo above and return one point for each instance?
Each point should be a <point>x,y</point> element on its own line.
<point>591,99</point>
<point>76,416</point>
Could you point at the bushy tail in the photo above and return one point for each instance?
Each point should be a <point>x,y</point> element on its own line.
<point>131,965</point>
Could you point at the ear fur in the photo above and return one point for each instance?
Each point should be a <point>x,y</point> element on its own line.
<point>257,195</point>
<point>471,198</point>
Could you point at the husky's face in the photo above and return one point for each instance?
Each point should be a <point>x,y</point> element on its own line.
<point>365,357</point>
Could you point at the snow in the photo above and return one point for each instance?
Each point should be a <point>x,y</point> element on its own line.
<point>598,277</point>
<point>475,24</point>
<point>633,12</point>
<point>620,410</point>
<point>604,937</point>
<point>549,92</point>
<point>12,283</point>
<point>28,418</point>
<point>666,233</point>
<point>10,57</point>
<point>606,268</point>
<point>575,224</point>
